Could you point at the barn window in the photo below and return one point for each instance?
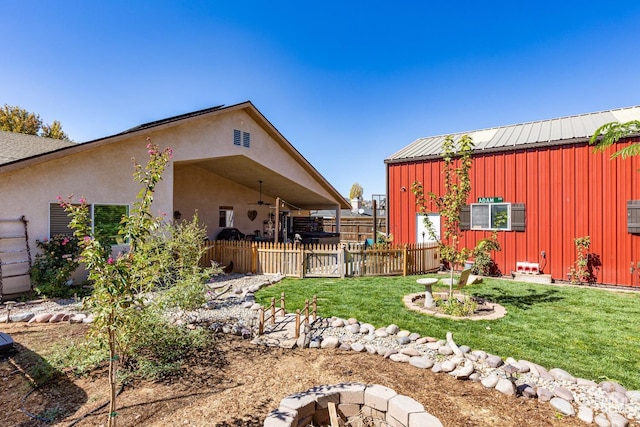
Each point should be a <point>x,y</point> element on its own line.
<point>633,216</point>
<point>491,216</point>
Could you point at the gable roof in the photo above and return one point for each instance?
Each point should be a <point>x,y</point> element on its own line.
<point>16,146</point>
<point>18,162</point>
<point>564,130</point>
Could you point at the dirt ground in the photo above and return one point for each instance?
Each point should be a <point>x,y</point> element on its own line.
<point>238,384</point>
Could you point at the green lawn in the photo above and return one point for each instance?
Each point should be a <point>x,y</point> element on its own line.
<point>589,332</point>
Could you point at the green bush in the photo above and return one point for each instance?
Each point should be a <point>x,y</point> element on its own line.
<point>53,266</point>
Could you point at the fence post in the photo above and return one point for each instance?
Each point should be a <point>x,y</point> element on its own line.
<point>306,312</point>
<point>273,311</point>
<point>297,323</point>
<point>254,258</point>
<point>282,309</point>
<point>261,321</point>
<point>405,264</point>
<point>315,308</point>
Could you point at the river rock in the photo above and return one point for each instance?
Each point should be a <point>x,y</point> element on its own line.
<point>562,375</point>
<point>562,406</point>
<point>414,336</point>
<point>353,328</point>
<point>421,341</point>
<point>352,321</point>
<point>601,420</point>
<point>371,349</point>
<point>338,323</point>
<point>22,317</point>
<point>446,350</point>
<point>464,371</point>
<point>585,414</point>
<point>617,397</point>
<point>403,333</point>
<point>390,352</point>
<point>491,381</point>
<point>345,347</point>
<point>403,340</point>
<point>421,362</point>
<point>392,329</point>
<point>527,391</point>
<point>448,366</point>
<point>617,420</point>
<point>610,386</point>
<point>563,393</point>
<point>41,318</point>
<point>330,342</point>
<point>399,357</point>
<point>410,351</point>
<point>506,387</point>
<point>357,347</point>
<point>493,361</point>
<point>367,328</point>
<point>544,394</point>
<point>436,368</point>
<point>634,395</point>
<point>381,333</point>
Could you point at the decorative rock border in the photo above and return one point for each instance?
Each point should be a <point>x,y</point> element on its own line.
<point>352,401</point>
<point>408,300</point>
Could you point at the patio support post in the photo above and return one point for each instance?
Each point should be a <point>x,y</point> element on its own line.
<point>277,222</point>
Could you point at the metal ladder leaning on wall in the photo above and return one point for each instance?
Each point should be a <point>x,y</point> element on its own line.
<point>14,251</point>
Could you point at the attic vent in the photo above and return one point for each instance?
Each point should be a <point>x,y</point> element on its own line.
<point>236,137</point>
<point>246,139</point>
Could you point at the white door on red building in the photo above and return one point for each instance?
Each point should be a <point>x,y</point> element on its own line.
<point>422,233</point>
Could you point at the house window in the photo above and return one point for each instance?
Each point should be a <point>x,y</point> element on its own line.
<point>105,221</point>
<point>225,216</point>
<point>491,216</point>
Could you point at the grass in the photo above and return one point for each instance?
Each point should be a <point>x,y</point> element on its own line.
<point>591,333</point>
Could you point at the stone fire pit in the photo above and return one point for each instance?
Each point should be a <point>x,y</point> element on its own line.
<point>355,403</point>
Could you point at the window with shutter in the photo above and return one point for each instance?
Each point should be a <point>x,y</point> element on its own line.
<point>633,216</point>
<point>518,217</point>
<point>465,218</point>
<point>59,221</point>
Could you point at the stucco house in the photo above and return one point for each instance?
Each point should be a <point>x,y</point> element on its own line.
<point>552,187</point>
<point>230,164</point>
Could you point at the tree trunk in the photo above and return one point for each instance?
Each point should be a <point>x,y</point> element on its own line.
<point>112,372</point>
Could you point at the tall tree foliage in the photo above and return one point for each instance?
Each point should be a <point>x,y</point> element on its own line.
<point>356,191</point>
<point>19,120</point>
<point>457,187</point>
<point>610,133</point>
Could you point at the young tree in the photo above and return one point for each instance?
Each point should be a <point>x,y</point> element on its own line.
<point>117,295</point>
<point>610,133</point>
<point>19,120</point>
<point>457,187</point>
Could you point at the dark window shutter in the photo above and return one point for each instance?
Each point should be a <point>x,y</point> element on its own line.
<point>518,217</point>
<point>236,137</point>
<point>246,139</point>
<point>633,216</point>
<point>465,217</point>
<point>59,221</point>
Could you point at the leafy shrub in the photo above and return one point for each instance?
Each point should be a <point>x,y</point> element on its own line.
<point>457,308</point>
<point>53,267</point>
<point>483,264</point>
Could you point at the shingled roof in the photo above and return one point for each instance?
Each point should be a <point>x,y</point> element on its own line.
<point>564,130</point>
<point>17,146</point>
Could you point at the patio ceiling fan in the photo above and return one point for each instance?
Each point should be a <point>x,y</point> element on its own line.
<point>260,201</point>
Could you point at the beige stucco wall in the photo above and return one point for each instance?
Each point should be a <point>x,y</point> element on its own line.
<point>103,174</point>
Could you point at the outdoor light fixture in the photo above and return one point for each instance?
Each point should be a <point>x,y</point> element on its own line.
<point>177,215</point>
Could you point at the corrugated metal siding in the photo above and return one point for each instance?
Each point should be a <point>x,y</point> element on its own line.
<point>568,191</point>
<point>563,129</point>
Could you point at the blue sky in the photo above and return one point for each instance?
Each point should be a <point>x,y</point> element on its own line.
<point>347,83</point>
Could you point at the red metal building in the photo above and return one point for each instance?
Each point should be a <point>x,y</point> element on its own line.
<point>552,185</point>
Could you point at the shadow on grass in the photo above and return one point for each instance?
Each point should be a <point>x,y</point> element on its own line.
<point>523,301</point>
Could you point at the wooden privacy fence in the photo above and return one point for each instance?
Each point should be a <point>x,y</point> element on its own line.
<point>320,260</point>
